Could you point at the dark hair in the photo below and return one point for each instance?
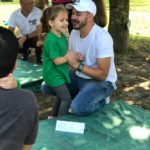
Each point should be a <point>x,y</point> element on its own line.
<point>100,17</point>
<point>8,51</point>
<point>50,13</point>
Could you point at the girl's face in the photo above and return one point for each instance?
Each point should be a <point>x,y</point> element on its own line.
<point>60,23</point>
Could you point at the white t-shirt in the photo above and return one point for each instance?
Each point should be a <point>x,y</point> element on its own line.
<point>27,24</point>
<point>97,44</point>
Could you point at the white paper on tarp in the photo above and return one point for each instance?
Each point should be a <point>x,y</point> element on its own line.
<point>69,126</point>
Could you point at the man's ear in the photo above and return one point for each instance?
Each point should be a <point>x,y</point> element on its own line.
<point>90,16</point>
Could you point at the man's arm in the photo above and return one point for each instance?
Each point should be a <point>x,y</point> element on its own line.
<point>35,33</point>
<point>99,73</point>
<point>26,147</point>
<point>11,28</point>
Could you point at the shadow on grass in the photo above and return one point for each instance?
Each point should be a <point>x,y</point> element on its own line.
<point>134,73</point>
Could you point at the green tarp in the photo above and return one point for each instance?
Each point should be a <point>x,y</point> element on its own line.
<point>29,75</point>
<point>117,126</point>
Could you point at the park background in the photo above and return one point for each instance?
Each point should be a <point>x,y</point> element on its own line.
<point>133,67</point>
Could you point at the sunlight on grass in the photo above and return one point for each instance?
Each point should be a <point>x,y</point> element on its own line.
<point>45,111</point>
<point>116,121</point>
<point>44,148</point>
<point>139,133</point>
<point>127,112</point>
<point>145,85</point>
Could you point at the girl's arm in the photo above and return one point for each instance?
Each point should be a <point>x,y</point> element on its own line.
<point>60,60</point>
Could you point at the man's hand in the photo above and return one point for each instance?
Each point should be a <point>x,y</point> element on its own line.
<point>80,57</point>
<point>72,59</point>
<point>21,41</point>
<point>8,82</point>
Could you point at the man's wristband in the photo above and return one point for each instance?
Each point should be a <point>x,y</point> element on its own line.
<point>80,67</point>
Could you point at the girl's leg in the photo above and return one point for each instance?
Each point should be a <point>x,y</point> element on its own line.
<point>55,100</point>
<point>65,99</point>
<point>45,89</point>
<point>55,106</point>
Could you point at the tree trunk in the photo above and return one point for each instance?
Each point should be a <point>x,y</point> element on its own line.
<point>118,25</point>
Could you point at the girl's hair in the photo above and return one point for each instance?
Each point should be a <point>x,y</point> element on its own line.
<point>50,13</point>
<point>100,17</point>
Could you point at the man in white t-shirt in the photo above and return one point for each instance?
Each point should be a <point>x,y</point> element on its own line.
<point>92,57</point>
<point>27,19</point>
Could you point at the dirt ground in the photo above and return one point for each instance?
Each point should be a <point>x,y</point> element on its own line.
<point>134,78</point>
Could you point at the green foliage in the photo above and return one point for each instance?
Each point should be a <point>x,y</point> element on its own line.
<point>140,5</point>
<point>138,43</point>
<point>135,5</point>
<point>13,2</point>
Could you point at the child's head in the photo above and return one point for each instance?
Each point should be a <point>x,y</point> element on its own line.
<point>53,16</point>
<point>8,51</point>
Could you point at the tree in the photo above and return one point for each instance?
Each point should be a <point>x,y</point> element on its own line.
<point>118,25</point>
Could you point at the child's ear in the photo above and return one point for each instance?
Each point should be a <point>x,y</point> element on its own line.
<point>50,23</point>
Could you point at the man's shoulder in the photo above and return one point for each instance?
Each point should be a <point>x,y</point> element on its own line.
<point>26,94</point>
<point>22,94</point>
<point>97,29</point>
<point>19,97</point>
<point>100,32</point>
<point>16,12</point>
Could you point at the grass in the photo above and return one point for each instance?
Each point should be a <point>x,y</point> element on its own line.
<point>138,43</point>
<point>136,5</point>
<point>8,2</point>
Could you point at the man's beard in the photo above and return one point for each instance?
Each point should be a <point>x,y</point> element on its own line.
<point>77,25</point>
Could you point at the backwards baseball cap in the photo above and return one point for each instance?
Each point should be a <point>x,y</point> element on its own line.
<point>83,5</point>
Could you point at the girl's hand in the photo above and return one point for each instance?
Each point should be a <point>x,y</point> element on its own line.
<point>8,82</point>
<point>72,59</point>
<point>80,57</point>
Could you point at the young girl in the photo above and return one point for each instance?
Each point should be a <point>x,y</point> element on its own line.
<point>65,2</point>
<point>55,69</point>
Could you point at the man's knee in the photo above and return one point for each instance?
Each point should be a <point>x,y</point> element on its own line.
<point>77,110</point>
